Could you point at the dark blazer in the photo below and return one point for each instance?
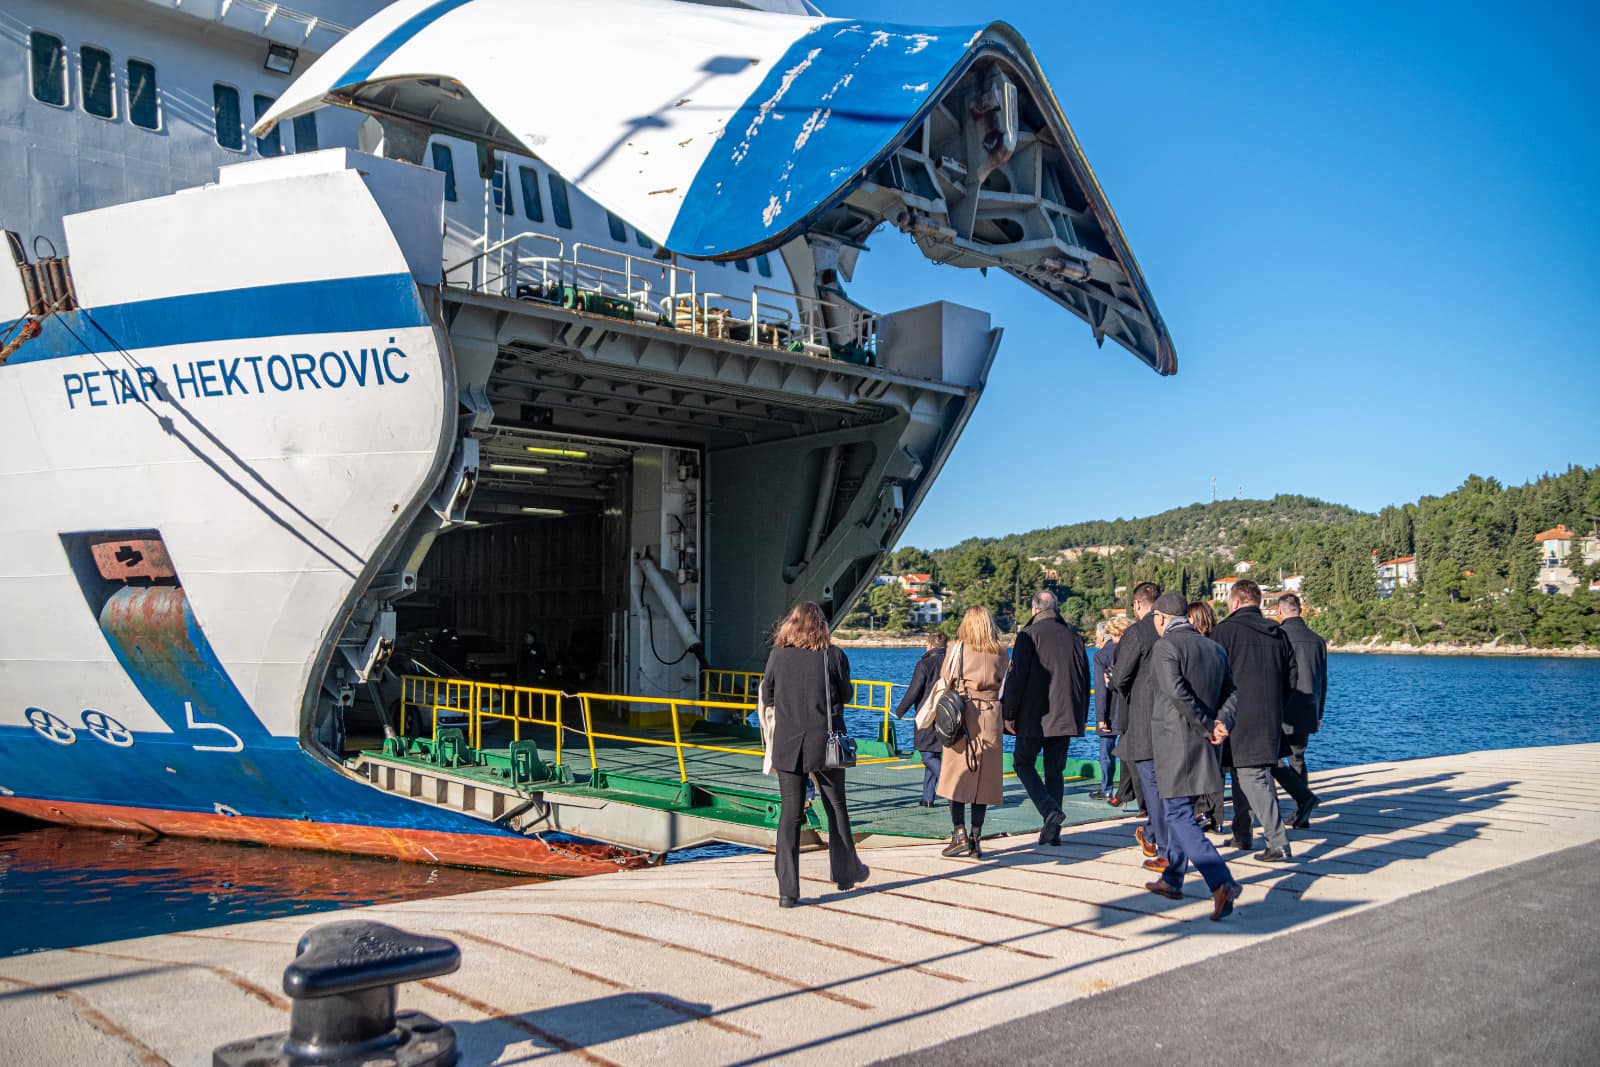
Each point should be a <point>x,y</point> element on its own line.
<point>795,687</point>
<point>1304,713</point>
<point>1262,662</point>
<point>1046,693</point>
<point>1193,690</point>
<point>1107,704</point>
<point>923,675</point>
<point>1136,685</point>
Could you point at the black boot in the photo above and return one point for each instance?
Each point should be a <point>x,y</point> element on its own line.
<point>958,845</point>
<point>975,845</point>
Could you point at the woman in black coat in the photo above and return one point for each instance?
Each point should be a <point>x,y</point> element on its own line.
<point>926,739</point>
<point>805,683</point>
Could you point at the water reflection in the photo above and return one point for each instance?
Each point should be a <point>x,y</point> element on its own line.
<point>62,887</point>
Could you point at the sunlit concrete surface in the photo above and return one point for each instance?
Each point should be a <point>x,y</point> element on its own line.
<point>695,963</point>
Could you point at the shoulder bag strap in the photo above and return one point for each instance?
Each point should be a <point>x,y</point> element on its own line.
<point>827,687</point>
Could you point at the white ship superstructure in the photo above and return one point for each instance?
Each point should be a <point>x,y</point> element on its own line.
<point>358,323</point>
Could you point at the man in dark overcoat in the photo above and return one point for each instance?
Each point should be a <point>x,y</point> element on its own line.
<point>926,739</point>
<point>1046,704</point>
<point>1194,706</point>
<point>1136,685</point>
<point>1262,662</point>
<point>1303,716</point>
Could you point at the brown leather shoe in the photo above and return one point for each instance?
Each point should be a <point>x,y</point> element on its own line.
<point>1163,888</point>
<point>1222,900</point>
<point>1158,864</point>
<point>1149,849</point>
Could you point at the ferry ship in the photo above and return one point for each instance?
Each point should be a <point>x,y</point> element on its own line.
<point>339,335</point>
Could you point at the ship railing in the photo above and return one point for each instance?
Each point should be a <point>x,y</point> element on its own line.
<point>717,316</point>
<point>852,329</point>
<point>536,265</point>
<point>454,702</point>
<point>502,267</point>
<point>633,278</point>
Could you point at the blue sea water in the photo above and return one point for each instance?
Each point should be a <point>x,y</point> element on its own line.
<point>1383,707</point>
<point>62,887</point>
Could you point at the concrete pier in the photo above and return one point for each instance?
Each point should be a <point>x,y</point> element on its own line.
<point>694,963</point>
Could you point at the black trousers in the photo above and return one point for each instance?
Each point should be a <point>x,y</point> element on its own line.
<point>842,859</point>
<point>1292,776</point>
<point>1045,792</point>
<point>1127,779</point>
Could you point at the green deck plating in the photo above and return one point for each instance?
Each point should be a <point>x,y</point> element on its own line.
<point>727,786</point>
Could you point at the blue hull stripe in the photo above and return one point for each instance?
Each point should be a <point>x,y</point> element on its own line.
<point>363,67</point>
<point>338,305</point>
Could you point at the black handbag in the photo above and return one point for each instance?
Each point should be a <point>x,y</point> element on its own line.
<point>841,749</point>
<point>950,711</point>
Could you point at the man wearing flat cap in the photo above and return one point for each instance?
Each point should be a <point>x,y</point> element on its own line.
<point>1194,709</point>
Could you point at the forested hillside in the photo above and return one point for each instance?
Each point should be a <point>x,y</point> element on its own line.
<point>1475,550</point>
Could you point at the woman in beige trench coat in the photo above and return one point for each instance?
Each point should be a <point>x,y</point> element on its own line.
<point>972,767</point>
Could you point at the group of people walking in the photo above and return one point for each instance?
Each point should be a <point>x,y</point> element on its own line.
<point>1182,700</point>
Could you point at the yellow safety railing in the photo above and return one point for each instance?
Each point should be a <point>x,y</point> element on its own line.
<point>867,694</point>
<point>478,702</point>
<point>675,708</point>
<point>716,684</point>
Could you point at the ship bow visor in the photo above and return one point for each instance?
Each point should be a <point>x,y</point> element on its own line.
<point>726,133</point>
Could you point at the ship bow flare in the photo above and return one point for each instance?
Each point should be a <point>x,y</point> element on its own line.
<point>726,133</point>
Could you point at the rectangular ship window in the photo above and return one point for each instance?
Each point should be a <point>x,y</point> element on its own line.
<point>742,266</point>
<point>272,144</point>
<point>444,162</point>
<point>94,77</point>
<point>144,105</point>
<point>229,119</point>
<point>305,134</point>
<point>764,265</point>
<point>643,241</point>
<point>49,57</point>
<point>560,206</point>
<point>619,229</point>
<point>532,202</point>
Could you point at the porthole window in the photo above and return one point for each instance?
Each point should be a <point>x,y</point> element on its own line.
<point>305,134</point>
<point>560,205</point>
<point>49,61</point>
<point>532,202</point>
<point>272,144</point>
<point>444,162</point>
<point>94,82</point>
<point>229,119</point>
<point>144,104</point>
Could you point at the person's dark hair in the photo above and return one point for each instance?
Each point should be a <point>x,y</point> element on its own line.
<point>1202,617</point>
<point>1289,605</point>
<point>1145,593</point>
<point>938,639</point>
<point>804,627</point>
<point>1246,592</point>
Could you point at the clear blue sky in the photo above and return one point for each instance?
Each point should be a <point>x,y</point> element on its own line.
<point>1373,230</point>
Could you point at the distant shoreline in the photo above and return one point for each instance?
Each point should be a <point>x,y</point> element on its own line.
<point>1575,652</point>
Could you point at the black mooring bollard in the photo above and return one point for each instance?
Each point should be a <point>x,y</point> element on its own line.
<point>343,983</point>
